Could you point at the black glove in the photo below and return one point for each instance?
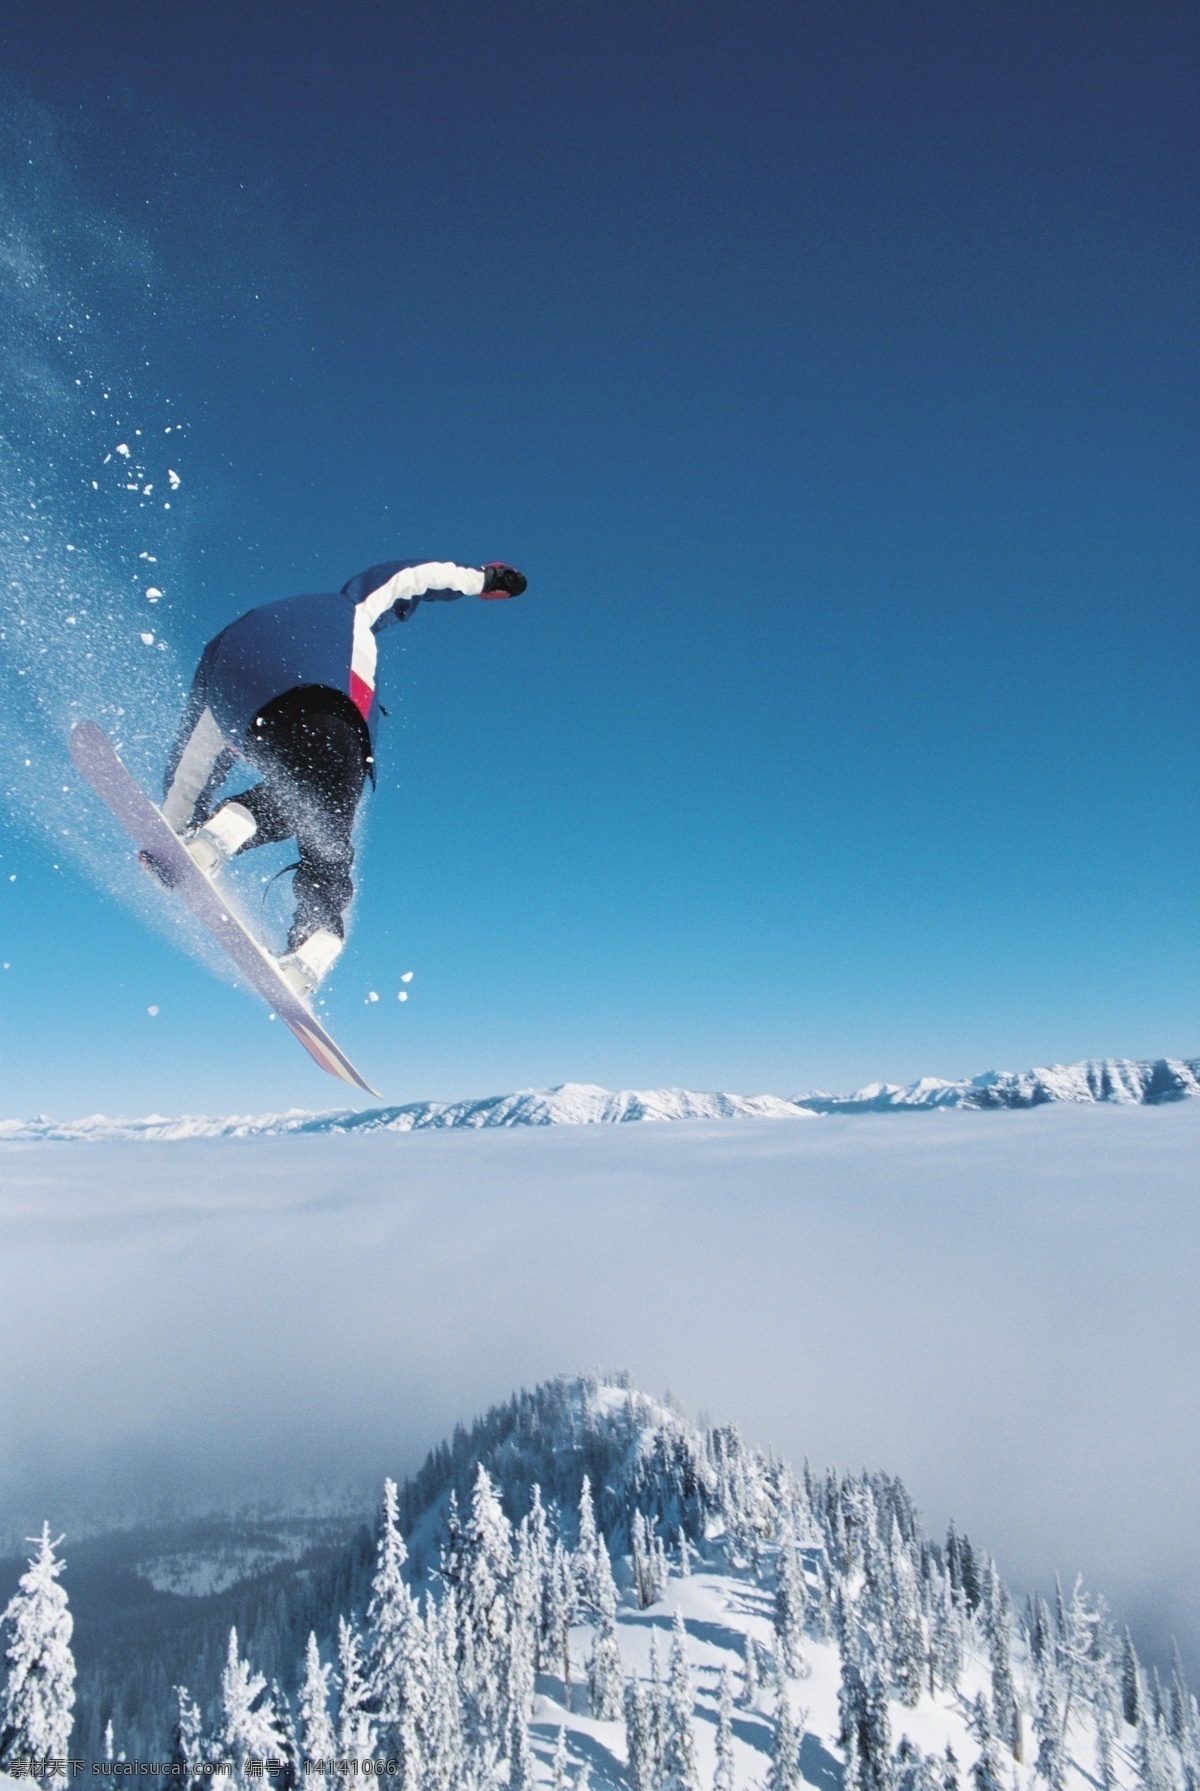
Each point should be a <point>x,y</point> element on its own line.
<point>502,581</point>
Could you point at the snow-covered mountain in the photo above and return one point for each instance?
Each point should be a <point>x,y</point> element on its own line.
<point>571,1104</point>
<point>586,1588</point>
<point>1147,1083</point>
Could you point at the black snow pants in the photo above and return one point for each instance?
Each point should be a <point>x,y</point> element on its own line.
<point>310,749</point>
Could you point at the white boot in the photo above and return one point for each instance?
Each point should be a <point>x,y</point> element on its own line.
<point>309,963</point>
<point>220,838</point>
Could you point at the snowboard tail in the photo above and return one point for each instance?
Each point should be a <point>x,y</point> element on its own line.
<point>163,854</point>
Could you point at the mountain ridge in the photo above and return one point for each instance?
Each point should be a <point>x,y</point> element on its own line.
<point>1119,1081</point>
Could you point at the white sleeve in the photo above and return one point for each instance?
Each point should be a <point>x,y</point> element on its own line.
<point>421,581</point>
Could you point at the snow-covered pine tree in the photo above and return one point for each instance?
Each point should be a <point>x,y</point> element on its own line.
<point>485,1623</point>
<point>586,1552</point>
<point>659,1572</point>
<point>355,1729</point>
<point>639,1738</point>
<point>985,1774</point>
<point>1048,1723</point>
<point>640,1545</point>
<point>791,1606</point>
<point>293,1768</point>
<point>520,1754</point>
<point>187,1740</point>
<point>525,1601</point>
<point>395,1669</point>
<point>559,1611</point>
<point>559,1769</point>
<point>865,1730</point>
<point>1130,1681</point>
<point>534,1538</point>
<point>785,1754</point>
<point>723,1772</point>
<point>749,1671</point>
<point>685,1566</point>
<point>679,1771</point>
<point>443,1734</point>
<point>658,1711</point>
<point>604,1666</point>
<point>907,1624</point>
<point>39,1699</point>
<point>1006,1715</point>
<point>316,1731</point>
<point>249,1731</point>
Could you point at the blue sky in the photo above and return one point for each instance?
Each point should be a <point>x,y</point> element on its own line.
<point>831,373</point>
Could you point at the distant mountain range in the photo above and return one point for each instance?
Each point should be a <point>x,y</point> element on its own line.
<point>1122,1080</point>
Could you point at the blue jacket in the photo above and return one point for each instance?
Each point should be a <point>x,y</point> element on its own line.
<point>300,642</point>
<point>324,640</point>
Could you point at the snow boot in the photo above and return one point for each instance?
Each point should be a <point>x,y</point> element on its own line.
<point>305,967</point>
<point>216,842</point>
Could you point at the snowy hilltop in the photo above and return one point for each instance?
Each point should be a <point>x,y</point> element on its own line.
<point>585,1589</point>
<point>1147,1083</point>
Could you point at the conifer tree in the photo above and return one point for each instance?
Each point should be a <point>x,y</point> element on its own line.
<point>865,1731</point>
<point>520,1754</point>
<point>985,1774</point>
<point>790,1607</point>
<point>559,1779</point>
<point>749,1672</point>
<point>639,1738</point>
<point>187,1742</point>
<point>586,1552</point>
<point>723,1773</point>
<point>535,1545</point>
<point>679,1772</point>
<point>443,1732</point>
<point>355,1731</point>
<point>249,1730</point>
<point>485,1617</point>
<point>316,1731</point>
<point>906,1624</point>
<point>642,1569</point>
<point>1048,1725</point>
<point>604,1667</point>
<point>38,1708</point>
<point>685,1568</point>
<point>395,1668</point>
<point>1006,1715</point>
<point>1130,1680</point>
<point>785,1757</point>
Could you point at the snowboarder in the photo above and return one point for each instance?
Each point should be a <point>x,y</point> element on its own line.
<point>290,688</point>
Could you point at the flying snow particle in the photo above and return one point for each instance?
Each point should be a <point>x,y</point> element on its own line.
<point>372,996</point>
<point>152,1011</point>
<point>403,995</point>
<point>6,967</point>
<point>153,593</point>
<point>407,977</point>
<point>70,622</point>
<point>123,449</point>
<point>147,640</point>
<point>13,878</point>
<point>173,479</point>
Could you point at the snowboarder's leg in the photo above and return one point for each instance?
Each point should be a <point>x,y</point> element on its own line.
<point>313,759</point>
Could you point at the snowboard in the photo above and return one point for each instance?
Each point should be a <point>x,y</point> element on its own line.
<point>163,854</point>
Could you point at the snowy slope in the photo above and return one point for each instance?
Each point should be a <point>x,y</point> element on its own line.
<point>856,1652</point>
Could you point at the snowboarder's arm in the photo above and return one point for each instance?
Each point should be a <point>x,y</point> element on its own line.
<point>389,593</point>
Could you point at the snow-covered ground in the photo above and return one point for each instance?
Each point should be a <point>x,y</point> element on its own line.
<point>1000,1307</point>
